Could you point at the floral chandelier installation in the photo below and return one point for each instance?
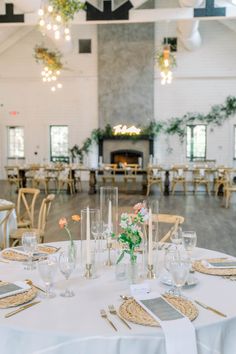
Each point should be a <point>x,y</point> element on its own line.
<point>55,16</point>
<point>166,61</point>
<point>51,60</point>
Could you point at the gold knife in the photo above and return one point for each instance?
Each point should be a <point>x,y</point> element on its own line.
<point>210,308</point>
<point>22,308</point>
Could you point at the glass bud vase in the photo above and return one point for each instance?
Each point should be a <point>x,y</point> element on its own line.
<point>133,276</point>
<point>72,250</point>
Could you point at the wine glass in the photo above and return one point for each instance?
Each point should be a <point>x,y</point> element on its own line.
<point>47,270</point>
<point>179,270</point>
<point>189,241</point>
<point>67,262</point>
<point>176,236</point>
<point>29,243</point>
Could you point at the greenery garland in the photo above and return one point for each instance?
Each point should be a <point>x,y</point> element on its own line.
<point>174,126</point>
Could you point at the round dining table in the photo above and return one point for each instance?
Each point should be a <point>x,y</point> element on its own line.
<point>74,326</point>
<point>12,221</point>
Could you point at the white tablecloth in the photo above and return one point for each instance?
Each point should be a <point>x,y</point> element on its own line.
<point>74,326</point>
<point>12,223</point>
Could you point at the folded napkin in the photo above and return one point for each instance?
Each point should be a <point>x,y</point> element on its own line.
<point>215,265</point>
<point>180,337</point>
<point>9,289</point>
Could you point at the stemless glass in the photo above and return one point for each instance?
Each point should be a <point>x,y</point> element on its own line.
<point>179,270</point>
<point>47,270</point>
<point>189,241</point>
<point>29,243</point>
<point>171,254</point>
<point>67,262</point>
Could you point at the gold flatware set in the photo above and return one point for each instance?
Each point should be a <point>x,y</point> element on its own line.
<point>113,311</point>
<point>22,308</point>
<point>210,308</point>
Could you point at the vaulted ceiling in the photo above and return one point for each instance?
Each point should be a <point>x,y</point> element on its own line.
<point>181,11</point>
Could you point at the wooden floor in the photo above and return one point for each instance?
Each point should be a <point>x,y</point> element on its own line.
<point>215,225</point>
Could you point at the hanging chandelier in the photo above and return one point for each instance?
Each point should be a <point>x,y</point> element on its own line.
<point>166,62</point>
<point>52,66</point>
<point>55,17</point>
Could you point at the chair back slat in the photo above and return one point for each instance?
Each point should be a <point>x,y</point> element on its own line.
<point>4,221</point>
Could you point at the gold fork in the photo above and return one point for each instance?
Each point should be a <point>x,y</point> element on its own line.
<point>113,311</point>
<point>104,315</point>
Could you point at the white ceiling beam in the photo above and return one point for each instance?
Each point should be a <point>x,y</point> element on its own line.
<point>137,16</point>
<point>14,38</point>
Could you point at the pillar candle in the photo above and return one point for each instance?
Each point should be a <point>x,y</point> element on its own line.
<point>109,215</point>
<point>88,254</point>
<point>150,237</point>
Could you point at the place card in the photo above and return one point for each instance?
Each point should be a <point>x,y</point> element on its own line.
<point>139,289</point>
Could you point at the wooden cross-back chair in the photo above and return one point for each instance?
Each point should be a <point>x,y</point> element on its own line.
<point>168,219</point>
<point>173,220</point>
<point>154,176</point>
<point>179,177</point>
<point>13,175</point>
<point>109,173</point>
<point>8,209</point>
<point>25,206</point>
<point>15,236</point>
<point>201,176</point>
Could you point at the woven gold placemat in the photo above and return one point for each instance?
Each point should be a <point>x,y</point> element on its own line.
<point>133,312</point>
<point>18,299</point>
<point>13,255</point>
<point>199,267</point>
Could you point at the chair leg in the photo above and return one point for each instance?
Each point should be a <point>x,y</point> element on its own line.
<point>227,198</point>
<point>148,189</point>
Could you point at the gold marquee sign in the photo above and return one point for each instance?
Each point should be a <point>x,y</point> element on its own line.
<point>124,130</point>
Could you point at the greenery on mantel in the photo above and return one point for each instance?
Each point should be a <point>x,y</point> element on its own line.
<point>174,126</point>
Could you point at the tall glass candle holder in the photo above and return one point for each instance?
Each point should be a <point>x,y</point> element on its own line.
<point>90,221</point>
<point>109,208</point>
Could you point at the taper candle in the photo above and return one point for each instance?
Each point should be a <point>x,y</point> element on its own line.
<point>150,237</point>
<point>88,253</point>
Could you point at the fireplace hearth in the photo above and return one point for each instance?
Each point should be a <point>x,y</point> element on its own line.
<point>121,149</point>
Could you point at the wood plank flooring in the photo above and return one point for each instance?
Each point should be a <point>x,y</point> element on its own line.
<point>215,225</point>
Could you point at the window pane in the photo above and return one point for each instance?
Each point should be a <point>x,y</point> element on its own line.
<point>16,142</point>
<point>196,141</point>
<point>59,141</point>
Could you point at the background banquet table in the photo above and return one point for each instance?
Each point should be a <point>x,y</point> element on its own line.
<point>12,223</point>
<point>73,325</point>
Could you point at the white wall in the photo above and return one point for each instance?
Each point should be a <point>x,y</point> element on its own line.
<point>202,78</point>
<point>22,90</point>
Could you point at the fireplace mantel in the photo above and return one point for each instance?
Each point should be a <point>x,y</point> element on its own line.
<point>141,143</point>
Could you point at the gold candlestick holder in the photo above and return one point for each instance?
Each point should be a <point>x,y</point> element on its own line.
<point>109,262</point>
<point>150,273</point>
<point>88,271</point>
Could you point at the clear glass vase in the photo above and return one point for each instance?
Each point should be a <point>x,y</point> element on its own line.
<point>132,273</point>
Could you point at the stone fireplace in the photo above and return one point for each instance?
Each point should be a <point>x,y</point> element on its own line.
<point>120,149</point>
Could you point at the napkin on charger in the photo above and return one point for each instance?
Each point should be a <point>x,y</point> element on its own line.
<point>228,264</point>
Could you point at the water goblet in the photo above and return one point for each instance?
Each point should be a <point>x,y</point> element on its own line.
<point>29,243</point>
<point>47,270</point>
<point>179,270</point>
<point>171,254</point>
<point>67,263</point>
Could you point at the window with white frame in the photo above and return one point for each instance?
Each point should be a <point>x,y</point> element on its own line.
<point>59,143</point>
<point>15,142</point>
<point>196,142</point>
